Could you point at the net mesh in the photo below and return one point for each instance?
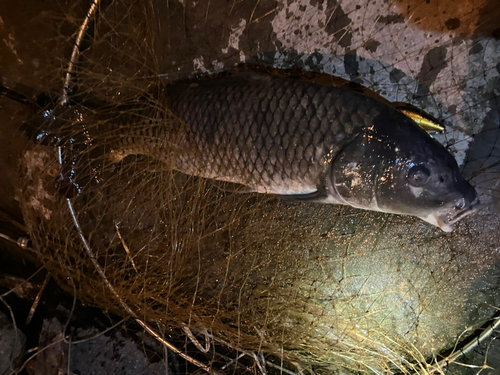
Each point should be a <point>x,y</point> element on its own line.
<point>323,288</point>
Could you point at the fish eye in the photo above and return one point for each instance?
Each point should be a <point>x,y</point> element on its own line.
<point>418,175</point>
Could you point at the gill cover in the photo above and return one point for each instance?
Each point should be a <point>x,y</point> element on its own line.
<point>394,166</point>
<point>355,171</point>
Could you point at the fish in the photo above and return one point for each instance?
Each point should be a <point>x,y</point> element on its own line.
<point>296,139</point>
<point>309,143</point>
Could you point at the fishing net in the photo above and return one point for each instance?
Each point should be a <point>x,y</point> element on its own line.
<point>243,281</point>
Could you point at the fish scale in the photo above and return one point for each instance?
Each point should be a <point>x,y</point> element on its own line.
<point>272,132</point>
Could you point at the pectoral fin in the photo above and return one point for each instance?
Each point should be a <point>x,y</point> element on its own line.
<point>319,195</point>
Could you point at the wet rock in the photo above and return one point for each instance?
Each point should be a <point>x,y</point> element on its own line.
<point>12,342</point>
<point>111,355</point>
<point>90,353</point>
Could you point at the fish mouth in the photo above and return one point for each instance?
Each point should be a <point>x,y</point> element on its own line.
<point>467,211</point>
<point>446,221</point>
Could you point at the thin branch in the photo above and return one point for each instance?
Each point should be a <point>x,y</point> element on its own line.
<point>37,300</point>
<point>127,250</point>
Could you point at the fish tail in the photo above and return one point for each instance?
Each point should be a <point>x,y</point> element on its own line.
<point>160,136</point>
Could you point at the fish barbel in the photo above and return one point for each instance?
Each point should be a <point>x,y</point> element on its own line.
<point>296,139</point>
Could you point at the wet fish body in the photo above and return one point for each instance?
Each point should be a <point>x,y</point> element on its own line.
<point>316,143</point>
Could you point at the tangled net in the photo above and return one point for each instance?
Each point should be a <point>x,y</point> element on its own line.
<point>304,288</point>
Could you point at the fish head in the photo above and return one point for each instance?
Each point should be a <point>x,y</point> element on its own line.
<point>394,166</point>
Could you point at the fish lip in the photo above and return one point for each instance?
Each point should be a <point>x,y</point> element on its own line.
<point>446,220</point>
<point>474,207</point>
